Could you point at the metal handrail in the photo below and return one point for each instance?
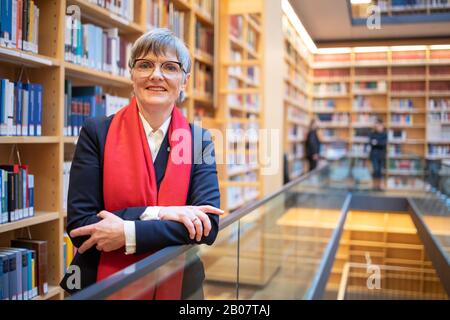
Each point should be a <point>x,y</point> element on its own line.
<point>108,286</point>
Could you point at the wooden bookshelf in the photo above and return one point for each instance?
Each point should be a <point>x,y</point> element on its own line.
<point>240,100</point>
<point>412,79</point>
<point>296,100</point>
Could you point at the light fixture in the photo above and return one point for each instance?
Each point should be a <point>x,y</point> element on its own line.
<point>370,49</point>
<point>408,48</point>
<point>440,47</point>
<point>333,50</point>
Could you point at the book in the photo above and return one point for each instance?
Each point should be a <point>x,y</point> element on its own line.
<point>9,278</point>
<point>41,260</point>
<point>4,277</point>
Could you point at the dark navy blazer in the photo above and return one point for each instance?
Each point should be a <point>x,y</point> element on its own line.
<point>85,200</point>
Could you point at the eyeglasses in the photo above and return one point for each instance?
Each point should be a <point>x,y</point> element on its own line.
<point>169,69</point>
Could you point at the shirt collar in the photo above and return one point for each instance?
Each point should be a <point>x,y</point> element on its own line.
<point>148,129</point>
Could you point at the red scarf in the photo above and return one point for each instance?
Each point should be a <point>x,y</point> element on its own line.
<point>129,180</point>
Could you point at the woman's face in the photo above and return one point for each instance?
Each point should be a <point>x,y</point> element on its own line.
<point>159,89</point>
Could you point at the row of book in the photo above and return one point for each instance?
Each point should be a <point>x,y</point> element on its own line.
<point>406,119</point>
<point>404,164</point>
<point>237,196</point>
<point>439,104</point>
<point>203,79</point>
<point>335,88</point>
<point>296,132</point>
<point>205,6</point>
<point>330,73</point>
<point>402,182</point>
<point>402,104</point>
<point>360,149</point>
<point>408,86</point>
<point>325,118</point>
<point>96,48</point>
<point>19,25</point>
<point>17,193</point>
<point>440,86</point>
<point>23,269</point>
<point>294,37</point>
<point>122,8</point>
<point>297,115</point>
<point>438,132</point>
<point>83,102</point>
<point>370,72</point>
<point>364,118</point>
<point>236,26</point>
<point>324,104</point>
<point>20,108</point>
<point>204,38</point>
<point>438,117</point>
<point>408,71</point>
<point>439,150</point>
<point>379,86</point>
<point>164,14</point>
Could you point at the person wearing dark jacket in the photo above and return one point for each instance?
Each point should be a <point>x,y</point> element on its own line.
<point>378,142</point>
<point>312,146</point>
<point>131,191</point>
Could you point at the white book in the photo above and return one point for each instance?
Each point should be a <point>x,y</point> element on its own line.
<point>68,37</point>
<point>36,30</point>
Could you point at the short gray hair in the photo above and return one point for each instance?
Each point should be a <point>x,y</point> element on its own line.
<point>158,41</point>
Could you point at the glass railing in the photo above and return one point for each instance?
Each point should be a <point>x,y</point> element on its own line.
<point>281,247</point>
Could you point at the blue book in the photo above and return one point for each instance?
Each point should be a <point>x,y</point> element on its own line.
<point>12,279</point>
<point>29,88</point>
<point>24,272</point>
<point>4,276</point>
<point>3,126</point>
<point>4,281</point>
<point>30,254</point>
<point>37,109</point>
<point>18,273</point>
<point>18,104</point>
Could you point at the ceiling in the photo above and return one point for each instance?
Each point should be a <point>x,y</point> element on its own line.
<point>328,22</point>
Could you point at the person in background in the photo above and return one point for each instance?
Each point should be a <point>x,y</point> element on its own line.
<point>312,145</point>
<point>378,141</point>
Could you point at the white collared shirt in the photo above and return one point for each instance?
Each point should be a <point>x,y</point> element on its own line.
<point>155,139</point>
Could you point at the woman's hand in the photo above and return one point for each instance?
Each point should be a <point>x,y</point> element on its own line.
<point>108,234</point>
<point>194,218</point>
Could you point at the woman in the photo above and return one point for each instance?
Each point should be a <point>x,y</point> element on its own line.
<point>378,141</point>
<point>134,185</point>
<point>312,145</point>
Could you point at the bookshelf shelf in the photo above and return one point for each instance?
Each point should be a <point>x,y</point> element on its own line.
<point>28,140</point>
<point>53,291</point>
<point>204,18</point>
<point>105,18</point>
<point>40,217</point>
<point>99,77</point>
<point>28,59</point>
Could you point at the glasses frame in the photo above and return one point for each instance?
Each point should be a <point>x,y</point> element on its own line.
<point>160,65</point>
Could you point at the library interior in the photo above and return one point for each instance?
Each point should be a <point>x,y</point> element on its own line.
<point>330,121</point>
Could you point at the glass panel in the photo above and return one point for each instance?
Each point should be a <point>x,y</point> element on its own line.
<point>282,243</point>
